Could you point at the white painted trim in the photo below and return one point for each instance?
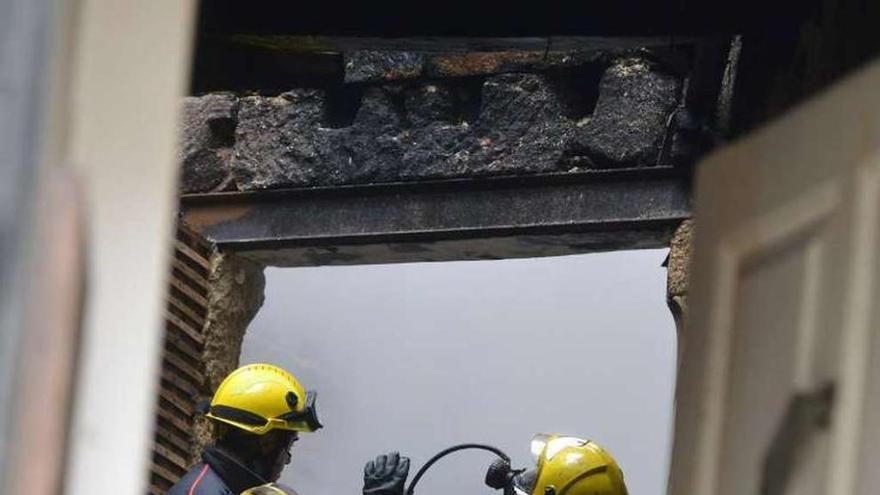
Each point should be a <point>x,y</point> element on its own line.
<point>758,234</point>
<point>128,72</point>
<point>856,332</point>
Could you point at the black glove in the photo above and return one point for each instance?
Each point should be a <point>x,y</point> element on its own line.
<point>386,475</point>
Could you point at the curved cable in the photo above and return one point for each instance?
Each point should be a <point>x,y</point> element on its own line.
<point>445,452</point>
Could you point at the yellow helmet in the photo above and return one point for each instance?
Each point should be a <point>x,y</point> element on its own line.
<point>570,466</point>
<point>259,398</point>
<point>270,489</point>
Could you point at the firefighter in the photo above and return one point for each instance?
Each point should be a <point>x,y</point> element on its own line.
<point>566,465</point>
<point>259,410</point>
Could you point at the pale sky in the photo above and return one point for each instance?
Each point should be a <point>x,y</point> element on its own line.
<point>417,357</point>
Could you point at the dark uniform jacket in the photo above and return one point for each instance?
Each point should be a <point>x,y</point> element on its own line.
<point>217,474</point>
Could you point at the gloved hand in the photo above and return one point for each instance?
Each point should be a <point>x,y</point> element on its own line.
<point>386,475</point>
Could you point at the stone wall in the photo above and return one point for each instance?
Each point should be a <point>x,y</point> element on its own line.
<point>678,274</point>
<point>235,295</point>
<point>406,118</point>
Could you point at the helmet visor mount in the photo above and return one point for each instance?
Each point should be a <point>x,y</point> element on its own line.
<point>524,483</point>
<point>309,414</point>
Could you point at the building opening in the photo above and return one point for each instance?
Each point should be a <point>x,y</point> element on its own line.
<point>416,357</point>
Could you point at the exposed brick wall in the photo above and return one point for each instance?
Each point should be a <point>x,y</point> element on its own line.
<point>183,367</point>
<point>212,297</point>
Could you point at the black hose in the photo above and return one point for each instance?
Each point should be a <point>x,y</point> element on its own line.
<point>448,451</point>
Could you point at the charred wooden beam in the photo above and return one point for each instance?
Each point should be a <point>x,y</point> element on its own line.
<point>275,63</point>
<point>490,19</point>
<point>444,45</point>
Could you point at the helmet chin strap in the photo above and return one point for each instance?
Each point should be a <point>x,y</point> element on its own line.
<point>259,475</point>
<point>259,456</point>
<point>266,465</point>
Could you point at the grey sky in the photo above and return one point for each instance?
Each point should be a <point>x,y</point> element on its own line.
<point>417,357</point>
